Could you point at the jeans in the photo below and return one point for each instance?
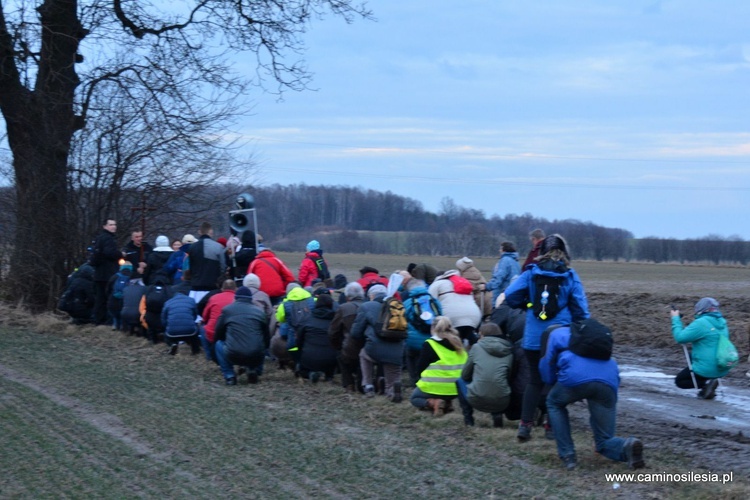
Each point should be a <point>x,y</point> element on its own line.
<point>227,365</point>
<point>419,398</point>
<point>602,405</point>
<point>208,347</point>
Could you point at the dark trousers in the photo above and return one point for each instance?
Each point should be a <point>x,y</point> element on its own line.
<point>351,374</point>
<point>683,380</point>
<point>99,314</point>
<point>534,391</point>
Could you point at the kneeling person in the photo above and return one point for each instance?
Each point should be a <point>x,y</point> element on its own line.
<point>484,379</point>
<point>178,319</point>
<point>241,337</point>
<point>575,378</point>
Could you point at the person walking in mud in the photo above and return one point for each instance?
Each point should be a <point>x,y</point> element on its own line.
<point>703,333</point>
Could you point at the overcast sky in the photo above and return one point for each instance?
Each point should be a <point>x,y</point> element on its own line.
<point>629,114</point>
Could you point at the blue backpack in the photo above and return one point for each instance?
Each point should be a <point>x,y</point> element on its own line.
<point>120,284</point>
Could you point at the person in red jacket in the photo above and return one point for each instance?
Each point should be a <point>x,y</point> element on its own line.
<point>370,276</point>
<point>273,273</point>
<point>211,314</point>
<point>313,265</point>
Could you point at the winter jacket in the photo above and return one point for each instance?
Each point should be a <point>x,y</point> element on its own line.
<point>78,298</point>
<point>488,372</point>
<point>133,253</point>
<point>131,298</point>
<point>533,254</point>
<point>482,297</point>
<point>511,321</point>
<point>173,266</point>
<point>460,308</point>
<point>244,329</point>
<point>339,332</point>
<point>106,256</point>
<point>207,263</point>
<point>155,262</point>
<point>262,300</point>
<point>506,270</point>
<point>572,300</point>
<point>380,350</point>
<point>369,279</point>
<point>425,272</point>
<point>316,351</point>
<point>561,365</point>
<point>273,273</point>
<point>308,270</point>
<point>703,333</point>
<point>152,319</point>
<point>415,338</point>
<point>178,316</point>
<point>287,319</point>
<point>213,309</point>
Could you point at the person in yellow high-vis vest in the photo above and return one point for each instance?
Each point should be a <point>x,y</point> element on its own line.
<point>440,363</point>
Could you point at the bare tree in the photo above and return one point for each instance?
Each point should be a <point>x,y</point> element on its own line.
<point>58,56</point>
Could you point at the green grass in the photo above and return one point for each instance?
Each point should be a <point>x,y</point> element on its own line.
<point>96,414</point>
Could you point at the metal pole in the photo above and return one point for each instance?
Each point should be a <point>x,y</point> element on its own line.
<point>690,365</point>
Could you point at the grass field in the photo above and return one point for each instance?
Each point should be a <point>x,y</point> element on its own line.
<point>91,413</point>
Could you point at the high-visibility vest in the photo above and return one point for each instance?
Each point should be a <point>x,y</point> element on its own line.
<point>440,377</point>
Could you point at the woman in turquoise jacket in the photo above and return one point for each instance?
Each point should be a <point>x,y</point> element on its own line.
<point>703,333</point>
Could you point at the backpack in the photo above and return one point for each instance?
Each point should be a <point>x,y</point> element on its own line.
<point>120,284</point>
<point>591,339</point>
<point>322,267</point>
<point>546,300</point>
<point>727,356</point>
<point>298,313</point>
<point>156,297</point>
<point>392,322</point>
<point>425,310</point>
<point>461,285</point>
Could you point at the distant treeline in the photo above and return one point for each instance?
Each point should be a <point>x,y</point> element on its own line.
<point>356,220</point>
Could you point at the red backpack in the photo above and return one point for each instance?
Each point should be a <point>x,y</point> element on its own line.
<point>461,285</point>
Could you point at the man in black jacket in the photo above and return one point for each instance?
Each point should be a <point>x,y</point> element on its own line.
<point>242,337</point>
<point>105,258</point>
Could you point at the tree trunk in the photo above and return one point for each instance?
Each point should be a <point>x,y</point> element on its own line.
<point>40,124</point>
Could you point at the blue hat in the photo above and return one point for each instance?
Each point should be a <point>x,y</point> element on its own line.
<point>313,245</point>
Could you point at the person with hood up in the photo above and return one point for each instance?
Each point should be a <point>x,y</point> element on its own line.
<point>78,298</point>
<point>292,314</point>
<point>417,332</point>
<point>457,303</point>
<point>274,275</point>
<point>157,259</point>
<point>317,355</point>
<point>242,338</point>
<point>704,334</point>
<point>484,384</point>
<point>482,296</point>
<point>564,304</point>
<point>506,270</point>
<point>388,353</point>
<point>313,266</point>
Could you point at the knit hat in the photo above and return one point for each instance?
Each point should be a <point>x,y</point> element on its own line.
<point>162,241</point>
<point>464,263</point>
<point>291,286</point>
<point>705,305</point>
<point>340,281</point>
<point>313,245</point>
<point>222,241</point>
<point>126,265</point>
<point>243,291</point>
<point>251,281</point>
<point>188,238</point>
<point>377,290</point>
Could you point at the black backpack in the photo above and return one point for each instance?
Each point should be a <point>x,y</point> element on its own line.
<point>322,267</point>
<point>392,321</point>
<point>591,339</point>
<point>156,297</point>
<point>298,312</point>
<point>546,299</point>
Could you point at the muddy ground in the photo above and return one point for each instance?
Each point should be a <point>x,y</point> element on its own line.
<point>714,435</point>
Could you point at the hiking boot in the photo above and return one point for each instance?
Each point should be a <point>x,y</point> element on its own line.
<point>709,389</point>
<point>548,432</point>
<point>634,452</point>
<point>437,406</point>
<point>381,385</point>
<point>172,350</point>
<point>231,381</point>
<point>448,406</point>
<point>252,377</point>
<point>369,391</point>
<point>497,420</point>
<point>570,462</point>
<point>397,397</point>
<point>524,431</point>
<point>468,420</point>
<point>314,377</point>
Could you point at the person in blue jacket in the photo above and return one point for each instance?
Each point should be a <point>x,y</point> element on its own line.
<point>704,334</point>
<point>506,270</point>
<point>575,378</point>
<point>566,303</point>
<point>178,317</point>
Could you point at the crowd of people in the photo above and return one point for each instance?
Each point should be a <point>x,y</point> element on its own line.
<point>501,346</point>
